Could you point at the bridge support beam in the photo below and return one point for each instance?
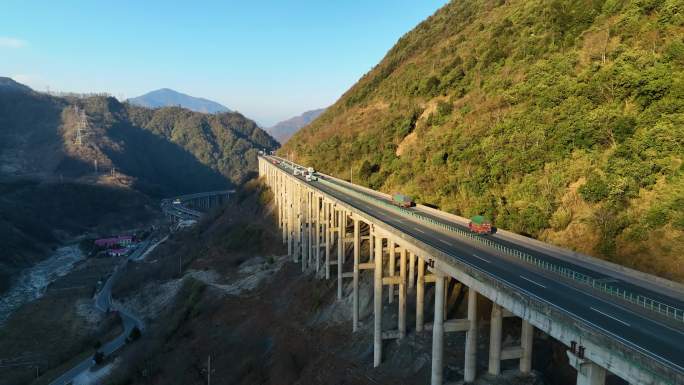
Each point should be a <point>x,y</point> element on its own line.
<point>377,303</point>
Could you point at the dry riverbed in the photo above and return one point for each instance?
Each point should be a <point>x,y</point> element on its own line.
<point>51,331</point>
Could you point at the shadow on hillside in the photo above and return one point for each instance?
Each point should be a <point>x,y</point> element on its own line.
<point>163,168</point>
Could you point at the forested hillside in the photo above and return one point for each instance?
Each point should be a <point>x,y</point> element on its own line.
<point>561,119</point>
<point>161,151</point>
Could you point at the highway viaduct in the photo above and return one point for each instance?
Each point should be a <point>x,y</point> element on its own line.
<point>192,206</point>
<point>612,319</point>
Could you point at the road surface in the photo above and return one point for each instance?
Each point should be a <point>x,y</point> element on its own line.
<point>638,328</point>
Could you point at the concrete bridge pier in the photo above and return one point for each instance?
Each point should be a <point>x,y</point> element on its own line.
<point>391,251</point>
<point>340,250</point>
<point>355,275</point>
<point>402,293</point>
<point>377,303</point>
<point>328,241</point>
<point>420,295</point>
<point>443,325</point>
<point>470,365</point>
<point>437,376</point>
<point>319,232</point>
<point>588,372</point>
<point>495,340</point>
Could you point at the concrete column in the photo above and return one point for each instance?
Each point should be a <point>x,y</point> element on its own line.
<point>290,221</point>
<point>377,304</point>
<point>438,334</point>
<point>392,267</point>
<point>402,294</point>
<point>328,240</point>
<point>495,340</point>
<point>343,235</point>
<point>355,295</point>
<point>470,366</point>
<point>420,294</point>
<point>591,374</point>
<point>526,341</point>
<point>371,244</point>
<point>412,271</point>
<point>317,208</point>
<point>340,251</point>
<point>297,234</point>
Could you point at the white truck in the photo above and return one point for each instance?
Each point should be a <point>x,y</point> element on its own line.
<point>310,174</point>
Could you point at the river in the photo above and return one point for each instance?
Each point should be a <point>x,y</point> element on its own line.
<point>33,281</point>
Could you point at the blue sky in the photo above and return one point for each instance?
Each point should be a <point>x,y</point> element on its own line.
<point>269,60</point>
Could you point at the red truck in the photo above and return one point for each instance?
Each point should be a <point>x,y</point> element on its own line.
<point>481,225</point>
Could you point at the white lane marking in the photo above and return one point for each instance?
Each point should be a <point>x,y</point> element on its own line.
<point>630,311</point>
<point>419,230</point>
<point>536,283</point>
<point>445,242</point>
<point>482,259</point>
<point>610,316</point>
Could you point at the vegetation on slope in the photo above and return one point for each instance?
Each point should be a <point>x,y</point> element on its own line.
<point>36,217</point>
<point>163,151</point>
<point>562,120</point>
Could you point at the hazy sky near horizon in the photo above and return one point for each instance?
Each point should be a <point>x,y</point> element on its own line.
<point>270,60</point>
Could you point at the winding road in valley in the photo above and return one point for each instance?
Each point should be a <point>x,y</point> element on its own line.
<point>103,302</point>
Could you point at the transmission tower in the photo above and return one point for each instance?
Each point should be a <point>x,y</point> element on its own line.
<point>81,126</point>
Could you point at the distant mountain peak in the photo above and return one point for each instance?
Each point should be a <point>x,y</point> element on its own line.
<point>9,84</point>
<point>282,131</point>
<point>166,97</point>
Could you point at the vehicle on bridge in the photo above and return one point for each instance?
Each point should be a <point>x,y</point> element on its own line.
<point>176,201</point>
<point>480,224</point>
<point>402,200</point>
<point>310,177</point>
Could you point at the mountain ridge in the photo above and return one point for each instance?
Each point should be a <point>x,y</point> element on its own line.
<point>167,97</point>
<point>283,130</point>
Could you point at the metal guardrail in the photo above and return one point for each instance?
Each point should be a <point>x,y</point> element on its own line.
<point>637,299</point>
